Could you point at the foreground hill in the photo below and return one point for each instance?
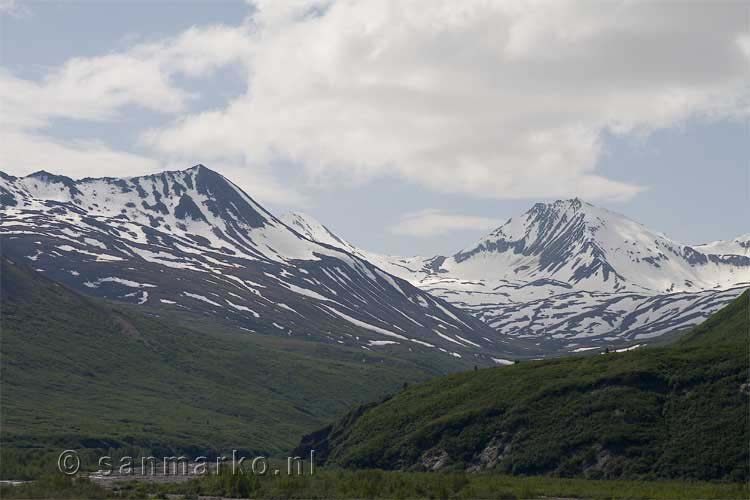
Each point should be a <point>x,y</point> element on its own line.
<point>79,372</point>
<point>673,412</point>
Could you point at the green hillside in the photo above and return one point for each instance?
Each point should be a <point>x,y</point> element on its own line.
<point>82,373</point>
<point>671,412</point>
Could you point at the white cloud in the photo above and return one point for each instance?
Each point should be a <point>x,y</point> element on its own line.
<point>427,223</point>
<point>24,153</point>
<point>93,89</point>
<point>502,99</point>
<point>100,88</point>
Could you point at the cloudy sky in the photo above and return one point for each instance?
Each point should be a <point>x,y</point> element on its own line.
<point>406,127</point>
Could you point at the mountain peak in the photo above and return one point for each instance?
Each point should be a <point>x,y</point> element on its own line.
<point>570,240</point>
<point>45,176</point>
<point>47,179</point>
<point>573,204</point>
<point>179,198</point>
<point>541,220</point>
<point>39,173</point>
<point>194,171</point>
<point>200,167</point>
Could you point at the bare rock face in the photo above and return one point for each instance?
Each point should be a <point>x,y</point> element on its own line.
<point>496,450</point>
<point>434,459</point>
<point>602,458</point>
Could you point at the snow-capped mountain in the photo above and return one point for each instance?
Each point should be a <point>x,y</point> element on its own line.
<point>596,250</point>
<point>193,241</point>
<point>571,276</point>
<point>564,276</point>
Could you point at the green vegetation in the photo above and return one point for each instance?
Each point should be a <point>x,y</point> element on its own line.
<point>380,484</point>
<point>85,374</point>
<point>677,412</point>
<point>100,377</point>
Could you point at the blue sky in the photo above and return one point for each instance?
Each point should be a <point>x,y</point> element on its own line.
<point>405,129</point>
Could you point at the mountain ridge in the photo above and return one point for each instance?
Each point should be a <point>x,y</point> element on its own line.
<point>531,240</point>
<point>563,274</point>
<point>562,277</point>
<point>193,240</point>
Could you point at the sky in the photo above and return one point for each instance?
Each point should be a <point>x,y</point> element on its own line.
<point>405,127</point>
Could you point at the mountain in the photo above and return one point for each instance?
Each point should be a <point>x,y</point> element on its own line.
<point>594,249</point>
<point>570,276</point>
<point>672,412</point>
<point>563,277</point>
<point>192,241</point>
<point>81,372</point>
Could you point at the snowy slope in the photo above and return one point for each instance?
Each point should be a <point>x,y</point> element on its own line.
<point>595,250</point>
<point>737,246</point>
<point>569,275</point>
<point>405,267</point>
<point>193,241</point>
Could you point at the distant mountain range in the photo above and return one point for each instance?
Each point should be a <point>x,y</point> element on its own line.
<point>563,277</point>
<point>572,243</point>
<point>571,276</point>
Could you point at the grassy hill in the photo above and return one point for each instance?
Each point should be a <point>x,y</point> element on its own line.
<point>679,412</point>
<point>83,373</point>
